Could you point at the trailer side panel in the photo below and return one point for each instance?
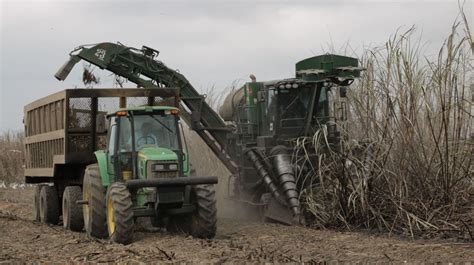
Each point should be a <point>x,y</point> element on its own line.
<point>64,130</point>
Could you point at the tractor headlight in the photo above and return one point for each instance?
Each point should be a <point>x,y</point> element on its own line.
<point>165,167</point>
<point>162,169</point>
<point>158,167</point>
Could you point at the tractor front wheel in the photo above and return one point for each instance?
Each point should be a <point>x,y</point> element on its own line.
<point>120,221</point>
<point>93,193</point>
<point>203,222</point>
<point>72,212</point>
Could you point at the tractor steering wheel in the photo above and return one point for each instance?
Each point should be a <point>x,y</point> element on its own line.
<point>146,140</point>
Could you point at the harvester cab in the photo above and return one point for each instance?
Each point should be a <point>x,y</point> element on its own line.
<point>292,107</point>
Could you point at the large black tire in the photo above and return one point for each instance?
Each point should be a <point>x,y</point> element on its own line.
<point>49,205</point>
<point>203,222</point>
<point>120,221</point>
<point>72,212</point>
<point>94,211</point>
<point>36,203</point>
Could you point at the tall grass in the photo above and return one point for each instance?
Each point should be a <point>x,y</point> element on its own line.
<point>11,157</point>
<point>406,165</point>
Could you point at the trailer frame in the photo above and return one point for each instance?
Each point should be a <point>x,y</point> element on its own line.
<point>49,129</point>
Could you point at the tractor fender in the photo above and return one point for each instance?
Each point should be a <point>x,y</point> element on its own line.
<point>101,157</point>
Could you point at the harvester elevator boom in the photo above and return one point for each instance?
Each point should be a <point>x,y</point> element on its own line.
<point>140,66</point>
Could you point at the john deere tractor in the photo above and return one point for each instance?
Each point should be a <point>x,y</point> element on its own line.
<point>143,172</point>
<point>105,170</point>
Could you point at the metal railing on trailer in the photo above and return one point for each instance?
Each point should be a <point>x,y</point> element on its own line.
<point>69,126</point>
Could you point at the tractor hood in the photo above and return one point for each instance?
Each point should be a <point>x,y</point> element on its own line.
<point>157,153</point>
<point>153,154</point>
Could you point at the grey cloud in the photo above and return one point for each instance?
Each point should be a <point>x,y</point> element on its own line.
<point>211,42</point>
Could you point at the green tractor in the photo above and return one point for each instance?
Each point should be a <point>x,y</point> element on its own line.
<point>144,172</point>
<point>109,156</point>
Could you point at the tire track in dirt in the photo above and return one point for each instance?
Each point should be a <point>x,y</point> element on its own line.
<point>24,240</point>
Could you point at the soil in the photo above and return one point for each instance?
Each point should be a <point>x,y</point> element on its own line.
<point>24,240</point>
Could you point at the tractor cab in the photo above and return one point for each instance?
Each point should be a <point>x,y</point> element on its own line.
<point>144,172</point>
<point>145,143</point>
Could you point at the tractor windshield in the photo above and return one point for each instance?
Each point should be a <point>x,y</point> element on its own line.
<point>150,131</point>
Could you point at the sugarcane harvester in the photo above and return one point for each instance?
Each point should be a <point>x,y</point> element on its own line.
<point>254,134</point>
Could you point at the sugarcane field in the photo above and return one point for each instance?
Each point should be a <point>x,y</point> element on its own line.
<point>236,131</point>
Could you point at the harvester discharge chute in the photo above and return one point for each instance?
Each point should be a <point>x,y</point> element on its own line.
<point>255,134</point>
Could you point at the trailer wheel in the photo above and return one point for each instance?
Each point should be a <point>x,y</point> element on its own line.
<point>120,221</point>
<point>36,202</point>
<point>49,205</point>
<point>72,212</point>
<point>94,211</point>
<point>202,223</point>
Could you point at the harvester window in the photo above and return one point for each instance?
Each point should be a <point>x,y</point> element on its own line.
<point>321,111</point>
<point>293,106</point>
<point>270,110</point>
<point>270,100</point>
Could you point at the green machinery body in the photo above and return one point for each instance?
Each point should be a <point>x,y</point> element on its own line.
<point>267,118</point>
<point>255,133</point>
<point>175,195</point>
<point>254,111</point>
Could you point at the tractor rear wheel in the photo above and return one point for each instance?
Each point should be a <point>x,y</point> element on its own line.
<point>49,205</point>
<point>203,222</point>
<point>120,221</point>
<point>94,210</point>
<point>36,202</point>
<point>72,212</point>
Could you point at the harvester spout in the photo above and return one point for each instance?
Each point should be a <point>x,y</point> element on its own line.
<point>64,71</point>
<point>253,78</point>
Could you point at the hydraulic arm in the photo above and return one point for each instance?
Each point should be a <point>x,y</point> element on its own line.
<point>140,66</point>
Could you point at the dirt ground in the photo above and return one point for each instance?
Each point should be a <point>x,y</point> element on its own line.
<point>23,240</point>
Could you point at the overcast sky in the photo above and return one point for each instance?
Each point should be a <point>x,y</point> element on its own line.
<point>212,43</point>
